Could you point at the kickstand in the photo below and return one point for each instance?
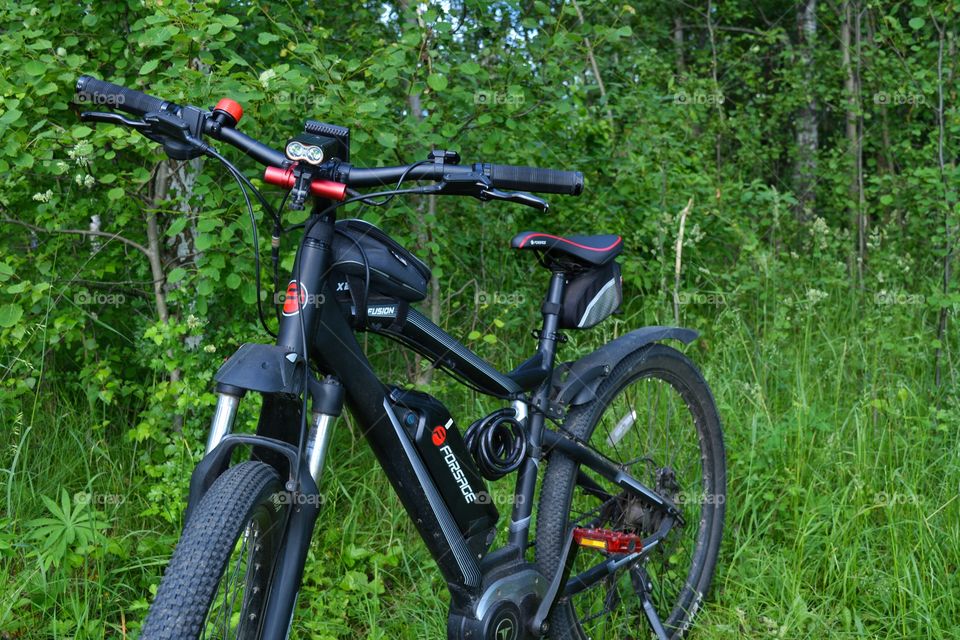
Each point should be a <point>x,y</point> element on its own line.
<point>642,586</point>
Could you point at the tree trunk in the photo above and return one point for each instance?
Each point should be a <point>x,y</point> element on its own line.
<point>851,23</point>
<point>805,166</point>
<point>161,185</point>
<point>678,47</point>
<point>717,94</point>
<point>422,375</point>
<point>948,228</point>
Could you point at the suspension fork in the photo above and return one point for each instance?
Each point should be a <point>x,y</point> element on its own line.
<point>301,312</point>
<point>298,325</point>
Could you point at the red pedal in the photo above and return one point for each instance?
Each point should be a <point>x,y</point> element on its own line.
<point>607,540</point>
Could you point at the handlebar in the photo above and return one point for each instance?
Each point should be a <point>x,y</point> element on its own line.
<point>220,124</point>
<point>100,92</point>
<point>502,176</point>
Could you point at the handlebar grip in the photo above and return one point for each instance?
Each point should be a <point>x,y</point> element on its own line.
<point>505,176</point>
<point>100,92</point>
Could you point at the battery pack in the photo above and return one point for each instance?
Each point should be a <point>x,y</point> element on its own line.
<point>441,447</point>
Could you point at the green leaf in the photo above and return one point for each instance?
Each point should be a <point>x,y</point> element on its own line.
<point>203,241</point>
<point>115,194</point>
<point>437,82</point>
<point>470,68</point>
<point>916,23</point>
<point>11,115</point>
<point>473,335</point>
<point>10,314</point>
<point>266,37</point>
<point>149,66</point>
<point>81,131</point>
<point>176,275</point>
<point>886,199</point>
<point>387,139</point>
<point>35,68</point>
<point>233,281</point>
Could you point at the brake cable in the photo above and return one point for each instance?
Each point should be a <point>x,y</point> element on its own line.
<point>240,178</point>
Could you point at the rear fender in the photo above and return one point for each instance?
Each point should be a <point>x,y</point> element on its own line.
<point>576,383</point>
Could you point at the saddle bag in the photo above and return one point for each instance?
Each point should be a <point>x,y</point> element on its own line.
<point>591,296</point>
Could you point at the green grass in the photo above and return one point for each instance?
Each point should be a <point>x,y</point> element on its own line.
<point>843,513</point>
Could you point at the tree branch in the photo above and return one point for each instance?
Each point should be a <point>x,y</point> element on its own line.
<point>83,232</point>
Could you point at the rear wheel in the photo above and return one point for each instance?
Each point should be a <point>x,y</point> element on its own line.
<point>218,580</point>
<point>655,417</point>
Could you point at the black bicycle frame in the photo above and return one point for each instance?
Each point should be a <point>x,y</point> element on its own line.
<point>322,327</point>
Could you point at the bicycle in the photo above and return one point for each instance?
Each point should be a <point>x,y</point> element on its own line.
<point>627,528</point>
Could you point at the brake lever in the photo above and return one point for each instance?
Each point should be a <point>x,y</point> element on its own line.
<point>114,118</point>
<point>518,197</point>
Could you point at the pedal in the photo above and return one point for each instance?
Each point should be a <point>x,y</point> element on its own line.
<point>608,540</point>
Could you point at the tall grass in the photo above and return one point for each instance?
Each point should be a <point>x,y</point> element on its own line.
<point>843,508</point>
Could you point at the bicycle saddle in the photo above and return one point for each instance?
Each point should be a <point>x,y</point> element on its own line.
<point>594,250</point>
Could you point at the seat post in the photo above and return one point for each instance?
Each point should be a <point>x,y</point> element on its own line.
<point>551,314</point>
<point>527,476</point>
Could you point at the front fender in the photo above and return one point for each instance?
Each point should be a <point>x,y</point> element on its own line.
<point>577,382</point>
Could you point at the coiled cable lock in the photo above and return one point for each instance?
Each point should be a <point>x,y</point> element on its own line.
<point>497,443</point>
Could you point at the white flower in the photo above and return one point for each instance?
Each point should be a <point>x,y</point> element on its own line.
<point>266,76</point>
<point>209,348</point>
<point>89,181</point>
<point>43,197</point>
<point>821,232</point>
<point>61,51</point>
<point>815,295</point>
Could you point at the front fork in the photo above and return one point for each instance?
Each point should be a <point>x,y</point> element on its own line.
<point>327,403</point>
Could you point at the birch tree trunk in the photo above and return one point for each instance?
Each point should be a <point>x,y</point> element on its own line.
<point>807,136</point>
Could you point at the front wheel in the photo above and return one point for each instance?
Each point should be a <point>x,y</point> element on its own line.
<point>220,575</point>
<point>656,418</point>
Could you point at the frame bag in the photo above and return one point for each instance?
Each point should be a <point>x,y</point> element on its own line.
<point>397,277</point>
